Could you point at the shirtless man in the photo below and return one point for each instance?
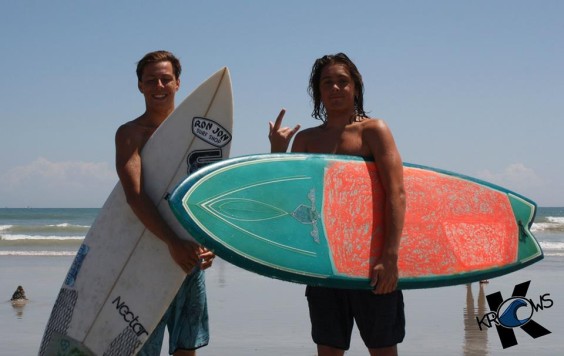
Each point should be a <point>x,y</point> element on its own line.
<point>158,76</point>
<point>336,88</point>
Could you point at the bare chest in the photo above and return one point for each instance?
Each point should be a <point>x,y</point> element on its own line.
<point>347,142</point>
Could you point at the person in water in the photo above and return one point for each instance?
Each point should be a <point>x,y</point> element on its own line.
<point>19,294</point>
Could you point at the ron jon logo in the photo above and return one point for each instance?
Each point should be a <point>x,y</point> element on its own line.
<point>515,312</point>
<point>210,131</point>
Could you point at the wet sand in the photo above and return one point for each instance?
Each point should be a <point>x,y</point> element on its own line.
<point>255,315</point>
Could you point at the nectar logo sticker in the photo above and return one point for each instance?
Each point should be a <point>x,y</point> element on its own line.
<point>515,312</point>
<point>130,318</point>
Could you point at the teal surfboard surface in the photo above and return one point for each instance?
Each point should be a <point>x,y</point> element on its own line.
<point>317,219</point>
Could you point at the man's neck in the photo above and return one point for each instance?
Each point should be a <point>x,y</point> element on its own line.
<point>154,118</point>
<point>340,119</point>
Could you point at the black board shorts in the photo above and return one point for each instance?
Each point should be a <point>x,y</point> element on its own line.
<point>380,318</point>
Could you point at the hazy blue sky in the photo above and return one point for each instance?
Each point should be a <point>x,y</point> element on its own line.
<point>475,87</point>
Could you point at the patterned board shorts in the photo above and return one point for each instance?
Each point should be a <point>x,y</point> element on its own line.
<point>186,318</point>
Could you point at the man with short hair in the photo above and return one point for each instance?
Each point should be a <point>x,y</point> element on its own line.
<point>158,75</point>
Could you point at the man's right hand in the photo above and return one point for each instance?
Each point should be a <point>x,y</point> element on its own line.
<point>184,253</point>
<point>280,137</point>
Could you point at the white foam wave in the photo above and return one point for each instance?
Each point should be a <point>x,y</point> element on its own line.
<point>540,226</point>
<point>554,254</point>
<point>37,253</point>
<point>549,245</point>
<point>38,237</point>
<point>547,226</point>
<point>69,225</point>
<point>63,228</point>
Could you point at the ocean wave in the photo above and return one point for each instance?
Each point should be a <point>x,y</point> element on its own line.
<point>39,238</point>
<point>552,245</point>
<point>37,253</point>
<point>30,242</point>
<point>551,224</point>
<point>554,254</point>
<point>55,229</point>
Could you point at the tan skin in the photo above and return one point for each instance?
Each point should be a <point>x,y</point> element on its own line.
<point>345,133</point>
<point>159,86</point>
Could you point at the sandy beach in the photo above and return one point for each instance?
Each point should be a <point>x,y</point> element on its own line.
<point>255,315</point>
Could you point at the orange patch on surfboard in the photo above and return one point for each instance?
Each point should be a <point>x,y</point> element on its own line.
<point>451,225</point>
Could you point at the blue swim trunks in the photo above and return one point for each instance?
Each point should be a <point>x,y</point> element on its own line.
<point>186,318</point>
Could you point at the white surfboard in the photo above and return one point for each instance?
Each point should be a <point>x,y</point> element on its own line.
<point>123,279</point>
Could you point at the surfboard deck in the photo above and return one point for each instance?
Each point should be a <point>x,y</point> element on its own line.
<point>123,279</point>
<point>317,219</point>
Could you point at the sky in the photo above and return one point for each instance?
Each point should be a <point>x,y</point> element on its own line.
<point>474,87</point>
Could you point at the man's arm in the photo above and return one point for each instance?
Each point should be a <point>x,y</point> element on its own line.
<point>390,171</point>
<point>129,169</point>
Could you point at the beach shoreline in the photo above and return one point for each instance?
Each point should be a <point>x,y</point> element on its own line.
<point>255,315</point>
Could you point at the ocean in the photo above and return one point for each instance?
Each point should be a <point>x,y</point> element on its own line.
<point>59,232</point>
<point>43,232</point>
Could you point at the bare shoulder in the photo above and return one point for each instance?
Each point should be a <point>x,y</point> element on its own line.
<point>127,130</point>
<point>124,130</point>
<point>378,139</point>
<point>132,134</point>
<point>374,124</point>
<point>375,128</point>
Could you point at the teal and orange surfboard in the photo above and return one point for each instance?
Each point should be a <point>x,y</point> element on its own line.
<point>318,219</point>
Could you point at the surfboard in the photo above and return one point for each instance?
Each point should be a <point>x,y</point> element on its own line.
<point>123,279</point>
<point>318,220</point>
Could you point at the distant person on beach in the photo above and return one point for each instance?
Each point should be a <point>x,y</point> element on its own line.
<point>158,75</point>
<point>336,88</point>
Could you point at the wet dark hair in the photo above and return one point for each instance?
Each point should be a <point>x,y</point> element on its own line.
<point>319,111</point>
<point>159,56</point>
